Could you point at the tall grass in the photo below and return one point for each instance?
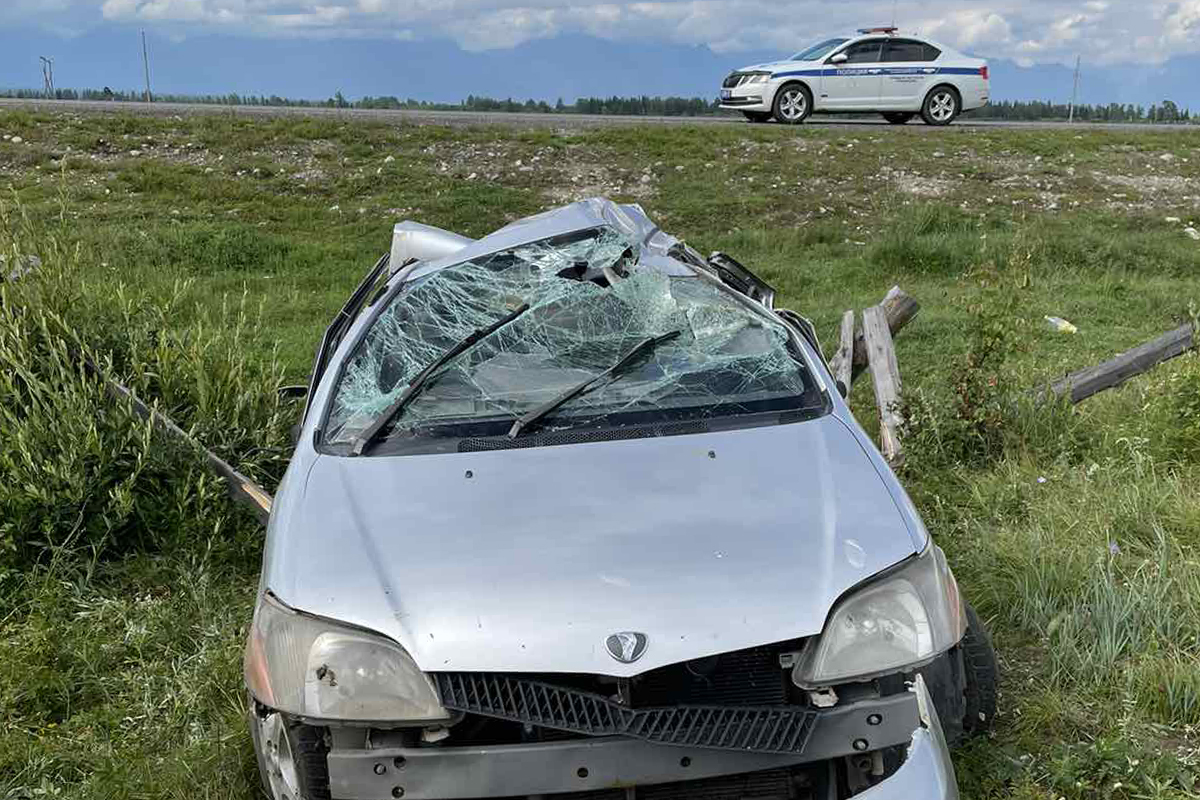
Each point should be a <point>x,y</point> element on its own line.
<point>126,576</point>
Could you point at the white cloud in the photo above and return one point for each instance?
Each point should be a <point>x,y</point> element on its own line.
<point>1103,31</point>
<point>970,28</point>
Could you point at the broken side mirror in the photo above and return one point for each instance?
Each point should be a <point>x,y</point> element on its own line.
<point>843,390</point>
<point>292,392</point>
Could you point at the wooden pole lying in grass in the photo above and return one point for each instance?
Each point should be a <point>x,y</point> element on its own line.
<point>1083,384</point>
<point>899,307</point>
<point>885,375</point>
<point>240,488</point>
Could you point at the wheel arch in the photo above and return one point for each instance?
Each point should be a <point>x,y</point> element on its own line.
<point>793,81</point>
<point>943,85</point>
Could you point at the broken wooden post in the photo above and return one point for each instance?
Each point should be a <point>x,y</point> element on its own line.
<point>845,352</point>
<point>899,308</point>
<point>885,375</point>
<point>240,488</point>
<point>1086,382</point>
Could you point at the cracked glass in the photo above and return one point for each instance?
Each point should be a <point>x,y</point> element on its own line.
<point>590,303</point>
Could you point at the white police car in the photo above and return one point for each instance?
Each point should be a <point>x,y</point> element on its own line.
<point>876,70</point>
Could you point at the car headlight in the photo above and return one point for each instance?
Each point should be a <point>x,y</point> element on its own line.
<point>312,667</point>
<point>756,77</point>
<point>902,619</point>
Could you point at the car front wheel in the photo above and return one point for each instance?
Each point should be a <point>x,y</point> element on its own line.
<point>793,104</point>
<point>979,662</point>
<point>291,756</point>
<point>941,106</point>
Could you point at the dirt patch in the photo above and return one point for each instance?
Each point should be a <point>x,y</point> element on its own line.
<point>1151,184</point>
<point>922,185</point>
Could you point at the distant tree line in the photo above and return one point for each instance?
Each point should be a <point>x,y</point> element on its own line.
<point>1165,112</point>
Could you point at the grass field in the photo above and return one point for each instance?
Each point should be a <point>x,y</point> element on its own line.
<point>201,258</point>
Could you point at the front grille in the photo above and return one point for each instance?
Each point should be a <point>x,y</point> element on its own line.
<point>760,729</point>
<point>733,80</point>
<point>743,677</point>
<point>774,784</point>
<point>742,101</point>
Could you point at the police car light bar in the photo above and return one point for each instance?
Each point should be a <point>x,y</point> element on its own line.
<point>878,30</point>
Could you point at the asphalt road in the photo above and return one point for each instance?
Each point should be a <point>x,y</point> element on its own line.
<point>517,120</point>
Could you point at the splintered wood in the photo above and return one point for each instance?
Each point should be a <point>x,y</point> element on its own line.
<point>844,359</point>
<point>885,376</point>
<point>900,308</point>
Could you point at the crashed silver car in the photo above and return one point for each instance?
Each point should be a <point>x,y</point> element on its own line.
<point>575,512</point>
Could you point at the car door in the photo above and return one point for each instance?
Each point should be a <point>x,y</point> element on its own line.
<point>853,84</point>
<point>908,72</point>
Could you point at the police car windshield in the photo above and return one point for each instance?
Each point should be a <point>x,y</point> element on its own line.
<point>819,50</point>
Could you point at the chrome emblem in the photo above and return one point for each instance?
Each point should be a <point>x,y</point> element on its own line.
<point>626,646</point>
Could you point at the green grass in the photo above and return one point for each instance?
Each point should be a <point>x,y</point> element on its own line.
<point>204,268</point>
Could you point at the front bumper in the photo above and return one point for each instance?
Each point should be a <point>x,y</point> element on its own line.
<point>753,97</point>
<point>927,771</point>
<point>382,771</point>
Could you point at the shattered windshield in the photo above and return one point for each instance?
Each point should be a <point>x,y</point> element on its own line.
<point>590,301</point>
<point>818,50</point>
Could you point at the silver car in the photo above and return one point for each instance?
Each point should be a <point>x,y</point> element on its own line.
<point>574,511</point>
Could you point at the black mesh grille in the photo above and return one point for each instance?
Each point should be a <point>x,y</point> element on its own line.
<point>732,80</point>
<point>772,784</point>
<point>743,677</point>
<point>769,729</point>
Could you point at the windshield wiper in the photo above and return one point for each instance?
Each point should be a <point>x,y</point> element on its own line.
<point>640,351</point>
<point>371,433</point>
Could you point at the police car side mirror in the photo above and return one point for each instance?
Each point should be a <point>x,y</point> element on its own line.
<point>839,58</point>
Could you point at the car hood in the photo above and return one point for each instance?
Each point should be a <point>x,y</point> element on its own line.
<point>526,560</point>
<point>774,66</point>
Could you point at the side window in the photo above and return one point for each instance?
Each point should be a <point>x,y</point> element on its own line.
<point>905,50</point>
<point>864,52</point>
<point>932,53</point>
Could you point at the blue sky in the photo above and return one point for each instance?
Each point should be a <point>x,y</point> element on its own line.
<point>444,49</point>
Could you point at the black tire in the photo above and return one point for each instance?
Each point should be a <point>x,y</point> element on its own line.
<point>981,672</point>
<point>897,117</point>
<point>309,752</point>
<point>942,105</point>
<point>757,116</point>
<point>793,104</point>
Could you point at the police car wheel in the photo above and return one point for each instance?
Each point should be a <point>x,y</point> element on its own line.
<point>793,104</point>
<point>941,106</point>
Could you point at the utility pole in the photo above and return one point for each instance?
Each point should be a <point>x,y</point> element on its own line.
<point>1074,92</point>
<point>48,75</point>
<point>146,65</point>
